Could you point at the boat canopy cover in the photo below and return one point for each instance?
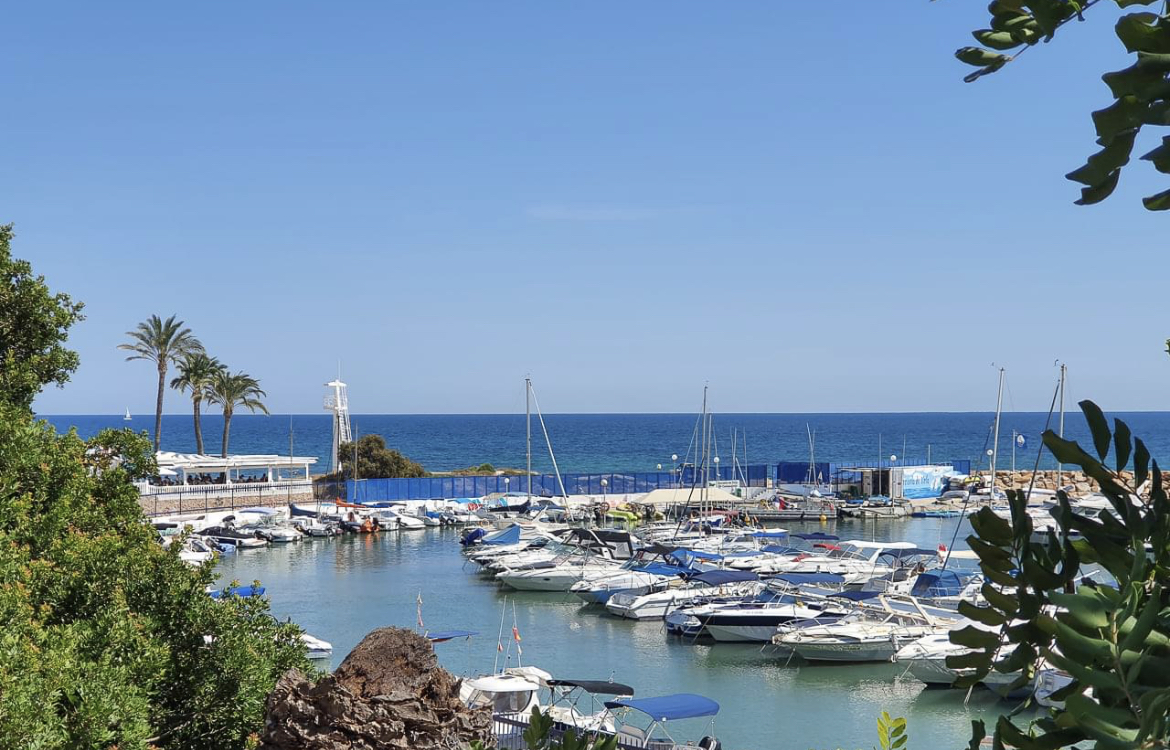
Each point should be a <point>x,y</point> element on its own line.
<point>910,552</point>
<point>510,535</point>
<point>238,591</point>
<point>857,596</point>
<point>801,578</point>
<point>818,536</point>
<point>938,583</point>
<point>656,549</point>
<point>598,687</point>
<point>779,534</point>
<point>662,569</point>
<point>667,707</point>
<point>446,635</point>
<point>720,577</point>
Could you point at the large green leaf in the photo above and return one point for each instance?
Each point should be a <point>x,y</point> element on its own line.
<point>1157,202</point>
<point>1103,163</point>
<point>1124,114</point>
<point>985,615</point>
<point>1098,193</point>
<point>992,529</point>
<point>980,57</point>
<point>1085,611</point>
<point>1141,462</point>
<point>973,637</point>
<point>1122,444</point>
<point>996,39</point>
<point>1098,426</point>
<point>1160,156</point>
<point>1138,33</point>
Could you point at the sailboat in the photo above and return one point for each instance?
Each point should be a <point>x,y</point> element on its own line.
<point>127,418</point>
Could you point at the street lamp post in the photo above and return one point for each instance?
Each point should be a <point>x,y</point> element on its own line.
<point>674,468</point>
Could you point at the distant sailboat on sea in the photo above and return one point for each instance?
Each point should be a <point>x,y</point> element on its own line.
<point>127,418</point>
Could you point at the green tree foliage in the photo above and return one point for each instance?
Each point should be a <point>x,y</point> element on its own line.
<point>376,461</point>
<point>33,325</point>
<point>1112,637</point>
<point>1141,92</point>
<point>163,342</point>
<point>107,639</point>
<point>197,372</point>
<point>230,390</point>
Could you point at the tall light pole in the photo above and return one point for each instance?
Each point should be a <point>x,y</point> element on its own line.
<point>674,467</point>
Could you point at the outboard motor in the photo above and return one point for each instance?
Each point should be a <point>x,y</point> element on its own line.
<point>710,743</point>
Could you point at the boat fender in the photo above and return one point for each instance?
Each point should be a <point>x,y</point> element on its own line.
<point>710,743</point>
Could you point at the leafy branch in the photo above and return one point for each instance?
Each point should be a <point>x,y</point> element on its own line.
<point>1141,92</point>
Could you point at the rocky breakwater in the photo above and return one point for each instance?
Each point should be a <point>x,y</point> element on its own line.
<point>1076,482</point>
<point>390,692</point>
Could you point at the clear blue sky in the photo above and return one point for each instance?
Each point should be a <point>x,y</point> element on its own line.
<point>799,203</point>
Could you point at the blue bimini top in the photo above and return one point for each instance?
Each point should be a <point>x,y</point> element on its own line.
<point>666,707</point>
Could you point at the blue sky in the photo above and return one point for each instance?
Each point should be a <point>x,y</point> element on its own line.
<point>801,204</point>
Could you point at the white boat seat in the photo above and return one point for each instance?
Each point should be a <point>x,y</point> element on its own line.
<point>631,737</point>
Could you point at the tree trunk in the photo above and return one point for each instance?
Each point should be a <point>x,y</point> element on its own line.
<point>227,428</point>
<point>195,401</point>
<point>162,384</point>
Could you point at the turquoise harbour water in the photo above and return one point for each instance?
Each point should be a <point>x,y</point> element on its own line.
<point>342,588</point>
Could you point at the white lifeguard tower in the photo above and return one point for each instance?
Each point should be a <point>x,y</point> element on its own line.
<point>338,403</point>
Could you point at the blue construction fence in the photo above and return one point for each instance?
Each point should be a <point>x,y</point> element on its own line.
<point>826,472</point>
<point>616,483</point>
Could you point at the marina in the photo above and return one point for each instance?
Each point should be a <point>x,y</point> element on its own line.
<point>342,588</point>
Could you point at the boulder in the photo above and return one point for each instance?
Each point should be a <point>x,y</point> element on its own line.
<point>389,693</point>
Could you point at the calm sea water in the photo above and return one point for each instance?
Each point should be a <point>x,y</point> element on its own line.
<point>636,442</point>
<point>340,589</point>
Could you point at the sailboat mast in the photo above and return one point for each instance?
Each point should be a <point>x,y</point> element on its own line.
<point>995,437</point>
<point>528,429</point>
<point>706,457</point>
<point>1060,466</point>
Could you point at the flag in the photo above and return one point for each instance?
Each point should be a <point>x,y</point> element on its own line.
<point>420,620</point>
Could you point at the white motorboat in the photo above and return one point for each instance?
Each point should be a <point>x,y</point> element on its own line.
<point>315,528</point>
<point>926,659</point>
<point>710,584</point>
<point>558,576</point>
<point>195,551</point>
<point>267,524</point>
<point>406,521</point>
<point>317,648</point>
<point>857,637</point>
<point>754,621</point>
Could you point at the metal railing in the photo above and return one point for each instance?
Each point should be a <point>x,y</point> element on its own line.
<point>509,733</point>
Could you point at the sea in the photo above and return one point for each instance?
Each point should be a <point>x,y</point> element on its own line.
<point>340,589</point>
<point>593,443</point>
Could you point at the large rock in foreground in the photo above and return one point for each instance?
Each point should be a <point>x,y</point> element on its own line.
<point>390,692</point>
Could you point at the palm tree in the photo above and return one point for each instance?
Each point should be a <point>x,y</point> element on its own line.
<point>163,342</point>
<point>195,374</point>
<point>231,390</point>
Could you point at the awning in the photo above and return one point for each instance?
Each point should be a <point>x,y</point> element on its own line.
<point>667,707</point>
<point>803,578</point>
<point>598,687</point>
<point>720,577</point>
<point>817,536</point>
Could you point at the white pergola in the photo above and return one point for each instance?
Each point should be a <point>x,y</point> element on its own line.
<point>184,465</point>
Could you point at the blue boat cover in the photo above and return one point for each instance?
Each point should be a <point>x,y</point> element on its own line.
<point>238,591</point>
<point>818,536</point>
<point>510,535</point>
<point>857,596</point>
<point>938,583</point>
<point>446,635</point>
<point>720,577</point>
<point>667,707</point>
<point>771,535</point>
<point>799,578</point>
<point>662,569</point>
